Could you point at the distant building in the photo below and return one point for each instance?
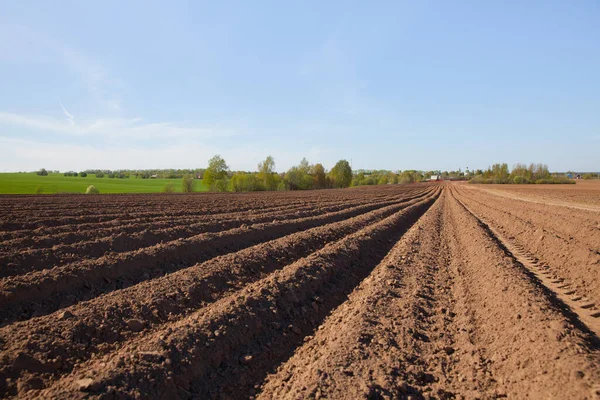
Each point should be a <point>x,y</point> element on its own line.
<point>434,178</point>
<point>154,176</point>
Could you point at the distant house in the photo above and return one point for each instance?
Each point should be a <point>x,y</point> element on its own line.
<point>434,178</point>
<point>155,176</point>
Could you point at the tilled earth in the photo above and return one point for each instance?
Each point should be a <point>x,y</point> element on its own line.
<point>416,291</point>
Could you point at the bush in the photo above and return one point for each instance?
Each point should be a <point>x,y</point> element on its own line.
<point>83,174</point>
<point>554,181</point>
<point>481,180</point>
<point>188,184</point>
<point>39,190</point>
<point>100,175</point>
<point>92,190</point>
<point>168,188</point>
<point>518,179</point>
<point>220,185</point>
<point>243,182</point>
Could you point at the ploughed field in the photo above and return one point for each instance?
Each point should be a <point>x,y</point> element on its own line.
<point>416,291</point>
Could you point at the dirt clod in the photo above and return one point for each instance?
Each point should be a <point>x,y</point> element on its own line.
<point>135,325</point>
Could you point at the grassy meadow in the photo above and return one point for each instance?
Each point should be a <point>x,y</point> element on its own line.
<point>31,183</point>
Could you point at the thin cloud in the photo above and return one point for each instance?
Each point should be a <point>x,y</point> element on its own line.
<point>125,128</point>
<point>29,45</point>
<point>27,155</point>
<point>69,116</point>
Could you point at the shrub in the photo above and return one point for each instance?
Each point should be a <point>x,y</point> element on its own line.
<point>83,174</point>
<point>554,180</point>
<point>92,190</point>
<point>243,182</point>
<point>39,190</point>
<point>188,183</point>
<point>220,185</point>
<point>100,175</point>
<point>168,188</point>
<point>518,179</point>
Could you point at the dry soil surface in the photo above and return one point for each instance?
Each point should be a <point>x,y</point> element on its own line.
<point>415,291</point>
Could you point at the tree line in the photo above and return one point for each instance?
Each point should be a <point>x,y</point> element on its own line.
<point>304,176</point>
<point>520,174</point>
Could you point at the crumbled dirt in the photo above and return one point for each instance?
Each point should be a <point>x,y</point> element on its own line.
<point>415,291</point>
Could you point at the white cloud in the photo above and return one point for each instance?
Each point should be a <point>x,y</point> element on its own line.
<point>125,128</point>
<point>28,155</point>
<point>69,116</point>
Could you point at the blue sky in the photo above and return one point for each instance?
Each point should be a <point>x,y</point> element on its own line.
<point>390,85</point>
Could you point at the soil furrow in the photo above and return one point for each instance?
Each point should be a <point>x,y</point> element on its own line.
<point>584,207</point>
<point>48,290</point>
<point>51,237</point>
<point>530,345</point>
<point>30,260</point>
<point>570,226</point>
<point>199,212</point>
<point>583,309</point>
<point>395,337</point>
<point>568,258</point>
<point>74,339</point>
<point>198,204</point>
<point>420,291</point>
<point>228,346</point>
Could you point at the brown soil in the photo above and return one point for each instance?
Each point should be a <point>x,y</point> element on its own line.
<point>584,194</point>
<point>417,291</point>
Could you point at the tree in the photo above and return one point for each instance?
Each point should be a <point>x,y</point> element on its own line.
<point>188,183</point>
<point>83,174</point>
<point>100,175</point>
<point>500,172</point>
<point>294,179</point>
<point>407,177</point>
<point>168,188</point>
<point>244,182</point>
<point>341,174</point>
<point>42,172</point>
<point>266,174</point>
<point>304,166</point>
<point>319,178</point>
<point>216,171</point>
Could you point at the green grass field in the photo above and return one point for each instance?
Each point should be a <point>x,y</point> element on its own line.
<point>28,183</point>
